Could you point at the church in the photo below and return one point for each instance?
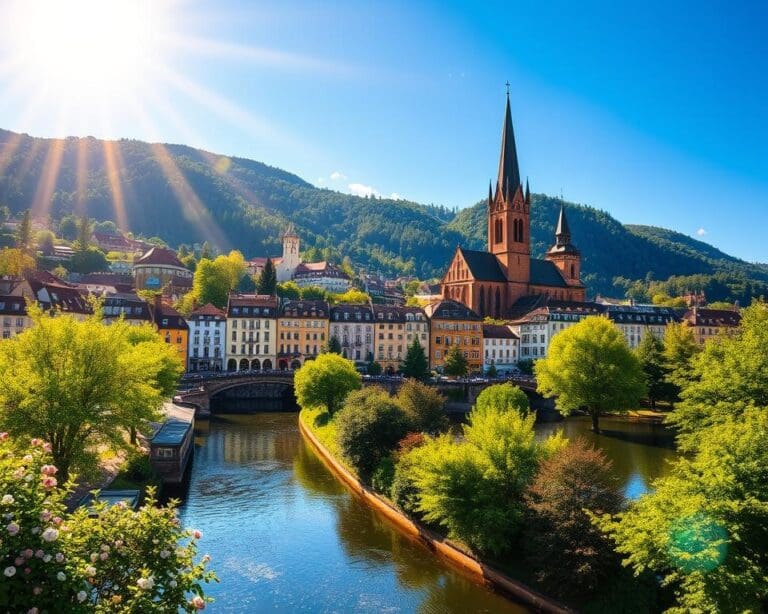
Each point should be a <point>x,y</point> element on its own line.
<point>490,282</point>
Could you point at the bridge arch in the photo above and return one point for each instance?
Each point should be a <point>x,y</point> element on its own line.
<point>232,365</point>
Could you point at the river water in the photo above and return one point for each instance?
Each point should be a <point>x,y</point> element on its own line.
<point>286,536</point>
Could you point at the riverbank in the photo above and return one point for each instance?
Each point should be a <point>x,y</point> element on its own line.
<point>322,439</point>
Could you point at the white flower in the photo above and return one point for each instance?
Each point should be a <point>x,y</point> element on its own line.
<point>81,596</point>
<point>104,556</point>
<point>59,557</point>
<point>145,583</point>
<point>164,554</point>
<point>94,557</point>
<point>9,571</point>
<point>12,528</point>
<point>90,570</point>
<point>173,584</point>
<point>50,534</point>
<point>47,558</point>
<point>7,500</point>
<point>61,576</point>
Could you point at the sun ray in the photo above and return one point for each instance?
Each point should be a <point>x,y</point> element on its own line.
<point>46,185</point>
<point>81,175</point>
<point>111,160</point>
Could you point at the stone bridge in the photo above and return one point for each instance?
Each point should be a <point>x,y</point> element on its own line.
<point>274,390</point>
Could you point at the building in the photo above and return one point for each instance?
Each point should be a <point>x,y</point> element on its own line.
<point>133,309</point>
<point>53,294</point>
<point>207,338</point>
<point>284,265</point>
<point>171,327</point>
<point>352,325</point>
<point>636,321</point>
<point>395,328</point>
<point>453,323</point>
<point>302,331</point>
<point>490,282</point>
<point>13,316</point>
<point>708,323</point>
<point>251,332</point>
<point>500,348</point>
<point>160,269</point>
<point>323,274</point>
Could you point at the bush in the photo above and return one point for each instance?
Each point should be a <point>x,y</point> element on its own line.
<point>325,381</point>
<point>383,475</point>
<point>504,397</point>
<point>369,427</point>
<point>54,561</point>
<point>568,555</point>
<point>423,406</point>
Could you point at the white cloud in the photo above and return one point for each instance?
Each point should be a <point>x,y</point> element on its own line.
<point>395,196</point>
<point>337,176</point>
<point>320,180</point>
<point>359,189</point>
<point>701,232</point>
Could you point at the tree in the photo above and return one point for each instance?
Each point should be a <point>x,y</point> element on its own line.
<point>679,349</point>
<point>289,290</point>
<point>569,556</point>
<point>215,279</point>
<point>68,227</point>
<point>82,384</point>
<point>369,427</point>
<point>456,363</point>
<point>492,372</point>
<point>350,297</point>
<point>15,261</point>
<point>373,368</point>
<point>88,260</point>
<point>503,397</point>
<point>729,375</point>
<point>247,284</point>
<point>267,283</point>
<point>24,231</point>
<point>590,365</point>
<point>83,241</point>
<point>313,293</point>
<point>325,382</point>
<point>44,241</point>
<point>703,526</point>
<point>650,353</point>
<point>89,560</point>
<point>415,364</point>
<point>106,226</point>
<point>423,406</point>
<point>206,251</point>
<point>333,346</point>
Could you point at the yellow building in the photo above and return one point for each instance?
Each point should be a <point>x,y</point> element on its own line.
<point>171,327</point>
<point>451,323</point>
<point>302,330</point>
<point>708,323</point>
<point>395,328</point>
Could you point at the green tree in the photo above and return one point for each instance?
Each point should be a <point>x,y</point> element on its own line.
<point>333,346</point>
<point>703,527</point>
<point>568,555</point>
<point>415,364</point>
<point>590,365</point>
<point>90,560</point>
<point>88,260</point>
<point>82,384</point>
<point>350,297</point>
<point>456,364</point>
<point>288,290</point>
<point>650,353</point>
<point>369,427</point>
<point>267,283</point>
<point>424,407</point>
<point>728,376</point>
<point>44,240</point>
<point>83,241</point>
<point>326,382</point>
<point>680,347</point>
<point>24,231</point>
<point>503,397</point>
<point>206,251</point>
<point>373,368</point>
<point>15,261</point>
<point>106,226</point>
<point>313,293</point>
<point>68,227</point>
<point>492,372</point>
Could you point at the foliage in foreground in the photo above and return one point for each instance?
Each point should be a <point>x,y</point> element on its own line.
<point>704,528</point>
<point>424,407</point>
<point>590,365</point>
<point>81,384</point>
<point>115,560</point>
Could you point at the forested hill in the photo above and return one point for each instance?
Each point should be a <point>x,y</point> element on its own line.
<point>186,195</point>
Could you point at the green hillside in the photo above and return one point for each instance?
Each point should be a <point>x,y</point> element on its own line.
<point>186,195</point>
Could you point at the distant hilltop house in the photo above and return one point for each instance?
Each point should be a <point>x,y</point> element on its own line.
<point>109,242</point>
<point>160,269</point>
<point>289,266</point>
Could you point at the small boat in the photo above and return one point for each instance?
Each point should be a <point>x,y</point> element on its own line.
<point>110,497</point>
<point>171,448</point>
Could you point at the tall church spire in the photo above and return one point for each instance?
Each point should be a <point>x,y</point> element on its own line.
<point>562,232</point>
<point>509,172</point>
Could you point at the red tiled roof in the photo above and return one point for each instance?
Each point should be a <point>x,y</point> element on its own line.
<point>208,310</point>
<point>160,256</point>
<point>498,331</point>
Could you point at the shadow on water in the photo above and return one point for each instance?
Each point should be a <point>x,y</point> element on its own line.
<point>286,536</point>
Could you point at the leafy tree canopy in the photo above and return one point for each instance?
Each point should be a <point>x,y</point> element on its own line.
<point>326,382</point>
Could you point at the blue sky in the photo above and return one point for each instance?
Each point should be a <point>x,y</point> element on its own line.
<point>657,112</point>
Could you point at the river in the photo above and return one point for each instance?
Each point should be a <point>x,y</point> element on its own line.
<point>286,536</point>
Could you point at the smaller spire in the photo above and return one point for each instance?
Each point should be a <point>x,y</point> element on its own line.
<point>563,232</point>
<point>527,192</point>
<point>490,192</point>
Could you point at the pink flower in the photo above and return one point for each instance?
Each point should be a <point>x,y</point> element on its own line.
<point>27,570</point>
<point>36,442</point>
<point>12,529</point>
<point>19,561</point>
<point>57,520</point>
<point>197,602</point>
<point>28,553</point>
<point>197,533</point>
<point>47,447</point>
<point>49,470</point>
<point>104,556</point>
<point>45,515</point>
<point>37,590</point>
<point>3,436</point>
<point>40,554</point>
<point>49,482</point>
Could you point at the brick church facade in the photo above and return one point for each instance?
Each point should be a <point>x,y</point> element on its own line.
<point>490,282</point>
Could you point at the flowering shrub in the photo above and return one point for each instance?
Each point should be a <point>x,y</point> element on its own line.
<point>109,559</point>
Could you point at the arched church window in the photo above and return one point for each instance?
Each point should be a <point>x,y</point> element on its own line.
<point>498,302</point>
<point>482,301</point>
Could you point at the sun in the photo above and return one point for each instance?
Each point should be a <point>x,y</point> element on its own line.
<point>88,50</point>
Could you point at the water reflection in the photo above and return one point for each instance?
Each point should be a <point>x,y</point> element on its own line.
<point>286,536</point>
<point>640,451</point>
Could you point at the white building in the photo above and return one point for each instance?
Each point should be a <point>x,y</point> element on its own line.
<point>352,325</point>
<point>500,347</point>
<point>207,339</point>
<point>251,332</point>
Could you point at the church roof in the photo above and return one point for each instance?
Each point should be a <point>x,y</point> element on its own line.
<point>509,171</point>
<point>484,266</point>
<point>545,273</point>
